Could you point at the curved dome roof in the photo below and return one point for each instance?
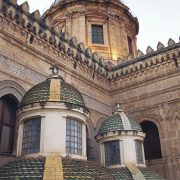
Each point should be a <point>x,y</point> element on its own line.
<point>33,168</point>
<point>119,122</point>
<point>53,89</point>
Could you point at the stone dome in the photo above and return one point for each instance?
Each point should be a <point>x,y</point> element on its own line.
<point>54,89</point>
<point>119,122</point>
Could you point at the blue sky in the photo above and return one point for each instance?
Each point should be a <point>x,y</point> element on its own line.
<point>158,19</point>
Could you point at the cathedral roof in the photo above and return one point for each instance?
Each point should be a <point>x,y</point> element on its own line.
<point>73,169</point>
<point>119,122</point>
<point>54,89</point>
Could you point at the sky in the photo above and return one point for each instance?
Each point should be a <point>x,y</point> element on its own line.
<point>159,19</point>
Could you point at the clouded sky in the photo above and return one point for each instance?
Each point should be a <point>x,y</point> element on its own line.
<point>159,19</point>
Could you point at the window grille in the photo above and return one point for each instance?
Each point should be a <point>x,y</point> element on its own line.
<point>97,34</point>
<point>112,153</point>
<point>31,136</point>
<point>73,137</point>
<point>139,152</point>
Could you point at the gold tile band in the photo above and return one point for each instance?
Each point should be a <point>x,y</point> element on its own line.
<point>135,172</point>
<point>55,90</point>
<point>53,168</point>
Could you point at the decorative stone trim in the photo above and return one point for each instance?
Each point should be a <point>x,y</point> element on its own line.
<point>136,173</point>
<point>10,87</point>
<point>55,90</point>
<point>53,168</point>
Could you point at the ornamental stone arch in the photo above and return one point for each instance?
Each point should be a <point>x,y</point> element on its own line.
<point>10,93</point>
<point>9,87</point>
<point>157,120</point>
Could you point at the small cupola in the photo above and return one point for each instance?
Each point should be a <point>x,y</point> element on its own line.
<point>52,119</point>
<point>121,141</point>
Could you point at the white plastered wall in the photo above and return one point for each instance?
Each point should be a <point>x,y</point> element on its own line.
<point>127,149</point>
<point>53,129</point>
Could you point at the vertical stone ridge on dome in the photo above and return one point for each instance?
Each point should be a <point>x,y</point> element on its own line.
<point>53,168</point>
<point>125,121</point>
<point>55,90</point>
<point>136,173</point>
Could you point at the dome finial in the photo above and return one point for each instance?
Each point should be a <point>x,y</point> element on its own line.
<point>54,69</point>
<point>117,108</point>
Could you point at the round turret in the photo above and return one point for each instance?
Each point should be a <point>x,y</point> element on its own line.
<point>105,26</point>
<point>121,141</point>
<point>52,119</point>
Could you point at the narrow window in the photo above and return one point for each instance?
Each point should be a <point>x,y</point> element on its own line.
<point>31,136</point>
<point>130,45</point>
<point>97,34</point>
<point>112,153</point>
<point>73,137</point>
<point>152,147</point>
<point>8,109</point>
<point>139,152</point>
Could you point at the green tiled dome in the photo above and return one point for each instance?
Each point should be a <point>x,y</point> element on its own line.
<point>73,169</point>
<point>23,169</point>
<point>115,123</point>
<point>42,92</point>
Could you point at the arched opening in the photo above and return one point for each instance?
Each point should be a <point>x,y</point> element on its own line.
<point>152,147</point>
<point>8,108</point>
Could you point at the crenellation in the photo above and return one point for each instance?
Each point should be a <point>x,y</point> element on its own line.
<point>171,42</point>
<point>25,7</point>
<point>160,45</point>
<point>53,40</point>
<point>146,85</point>
<point>149,50</point>
<point>140,53</point>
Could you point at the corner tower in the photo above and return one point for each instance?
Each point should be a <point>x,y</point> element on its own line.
<point>105,26</point>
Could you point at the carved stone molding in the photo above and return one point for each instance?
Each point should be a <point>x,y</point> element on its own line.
<point>174,113</point>
<point>13,88</point>
<point>20,71</point>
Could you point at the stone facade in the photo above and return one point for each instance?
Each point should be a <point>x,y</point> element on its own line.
<point>147,86</point>
<point>115,18</point>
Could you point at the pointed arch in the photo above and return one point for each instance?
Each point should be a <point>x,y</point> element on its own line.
<point>11,88</point>
<point>156,121</point>
<point>11,94</point>
<point>152,147</point>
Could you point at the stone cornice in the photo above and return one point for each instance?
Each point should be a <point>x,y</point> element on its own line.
<point>50,54</point>
<point>33,31</point>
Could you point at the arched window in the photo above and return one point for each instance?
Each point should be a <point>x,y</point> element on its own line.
<point>152,147</point>
<point>8,107</point>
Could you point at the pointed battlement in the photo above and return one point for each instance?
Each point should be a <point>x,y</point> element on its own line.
<point>40,31</point>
